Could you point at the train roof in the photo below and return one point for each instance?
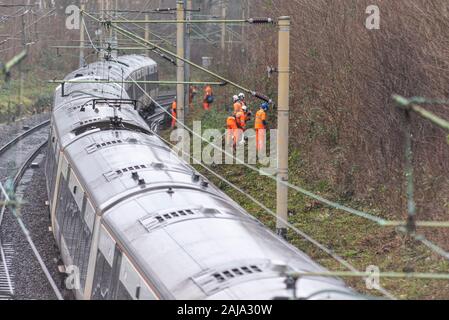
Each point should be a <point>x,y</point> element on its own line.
<point>74,102</point>
<point>122,66</point>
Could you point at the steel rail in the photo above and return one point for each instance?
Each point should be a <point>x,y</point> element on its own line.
<point>21,137</point>
<point>6,270</point>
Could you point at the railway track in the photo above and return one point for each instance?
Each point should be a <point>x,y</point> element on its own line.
<point>6,280</point>
<point>14,153</point>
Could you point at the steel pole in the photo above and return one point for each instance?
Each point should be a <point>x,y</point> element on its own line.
<point>283,124</point>
<point>188,75</point>
<point>223,32</point>
<point>180,63</point>
<point>180,88</point>
<point>101,6</point>
<point>147,32</point>
<point>81,46</point>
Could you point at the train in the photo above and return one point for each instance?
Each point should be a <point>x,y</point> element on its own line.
<point>137,222</point>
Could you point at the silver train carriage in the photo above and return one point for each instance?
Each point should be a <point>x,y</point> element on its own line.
<point>139,223</point>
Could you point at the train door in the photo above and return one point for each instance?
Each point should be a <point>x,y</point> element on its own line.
<point>107,269</point>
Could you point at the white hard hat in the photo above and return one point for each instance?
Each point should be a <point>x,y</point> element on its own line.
<point>235,98</point>
<point>241,95</point>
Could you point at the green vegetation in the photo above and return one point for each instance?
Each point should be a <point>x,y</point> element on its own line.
<point>358,241</point>
<point>36,97</point>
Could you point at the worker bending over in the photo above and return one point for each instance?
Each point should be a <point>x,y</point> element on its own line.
<point>174,114</point>
<point>261,126</point>
<point>208,97</point>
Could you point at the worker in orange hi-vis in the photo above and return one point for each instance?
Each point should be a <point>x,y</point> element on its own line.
<point>174,113</point>
<point>261,126</point>
<point>192,93</point>
<point>240,116</point>
<point>237,104</point>
<point>248,113</point>
<point>241,124</point>
<point>231,131</point>
<point>208,97</point>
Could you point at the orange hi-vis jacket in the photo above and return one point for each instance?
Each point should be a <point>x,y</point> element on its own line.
<point>261,116</point>
<point>231,123</point>
<point>174,113</point>
<point>208,92</point>
<point>237,107</point>
<point>240,116</point>
<point>232,134</point>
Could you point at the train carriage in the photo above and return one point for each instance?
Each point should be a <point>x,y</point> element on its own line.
<point>139,223</point>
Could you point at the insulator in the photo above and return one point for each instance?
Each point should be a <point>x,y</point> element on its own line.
<point>163,56</point>
<point>165,9</point>
<point>262,97</point>
<point>260,20</point>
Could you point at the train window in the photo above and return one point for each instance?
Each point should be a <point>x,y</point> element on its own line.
<point>115,273</point>
<point>107,246</point>
<point>62,199</point>
<point>64,167</point>
<point>55,145</point>
<point>76,189</point>
<point>50,169</point>
<point>77,236</point>
<point>89,216</point>
<point>122,293</point>
<point>130,278</point>
<point>102,278</point>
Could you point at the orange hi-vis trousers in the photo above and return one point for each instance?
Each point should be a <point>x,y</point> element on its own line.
<point>261,137</point>
<point>174,119</point>
<point>174,113</point>
<point>232,132</point>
